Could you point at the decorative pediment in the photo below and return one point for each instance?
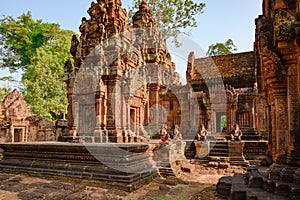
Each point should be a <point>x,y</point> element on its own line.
<point>15,105</point>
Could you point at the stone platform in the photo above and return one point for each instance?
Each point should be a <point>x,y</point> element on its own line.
<point>122,166</point>
<point>242,153</point>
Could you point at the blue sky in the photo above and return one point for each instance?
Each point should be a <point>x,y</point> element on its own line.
<point>220,21</point>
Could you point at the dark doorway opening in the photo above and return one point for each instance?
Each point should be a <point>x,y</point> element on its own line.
<point>221,121</point>
<point>17,135</point>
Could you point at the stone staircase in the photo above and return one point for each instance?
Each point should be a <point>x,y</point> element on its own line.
<point>256,185</point>
<point>249,133</point>
<point>218,149</point>
<point>190,150</point>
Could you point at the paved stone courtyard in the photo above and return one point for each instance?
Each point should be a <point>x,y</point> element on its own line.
<point>197,184</point>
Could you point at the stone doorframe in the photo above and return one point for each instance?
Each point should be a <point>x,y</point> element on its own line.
<point>22,135</point>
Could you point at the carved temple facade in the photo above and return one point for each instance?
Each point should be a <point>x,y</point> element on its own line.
<point>119,72</point>
<point>17,124</point>
<point>123,85</point>
<point>277,65</point>
<point>229,84</point>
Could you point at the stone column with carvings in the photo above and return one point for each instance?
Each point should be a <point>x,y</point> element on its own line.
<point>154,107</point>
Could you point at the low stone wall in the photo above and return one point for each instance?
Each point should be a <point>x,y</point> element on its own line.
<point>122,166</point>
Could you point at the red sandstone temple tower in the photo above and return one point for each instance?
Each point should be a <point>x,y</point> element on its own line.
<point>119,70</point>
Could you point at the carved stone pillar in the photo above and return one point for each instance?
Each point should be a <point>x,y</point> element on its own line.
<point>293,107</point>
<point>125,112</point>
<point>154,105</point>
<point>11,132</point>
<point>100,129</point>
<point>278,106</point>
<point>113,135</point>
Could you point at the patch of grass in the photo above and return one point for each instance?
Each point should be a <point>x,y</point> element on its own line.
<point>168,198</point>
<point>181,187</point>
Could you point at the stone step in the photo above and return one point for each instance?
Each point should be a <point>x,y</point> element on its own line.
<point>219,142</point>
<point>234,188</point>
<point>219,151</point>
<point>251,137</point>
<point>216,138</point>
<point>218,154</point>
<point>258,178</point>
<point>259,194</point>
<point>255,186</point>
<point>218,147</point>
<point>190,151</point>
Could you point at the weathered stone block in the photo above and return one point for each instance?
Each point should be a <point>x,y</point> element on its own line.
<point>202,149</point>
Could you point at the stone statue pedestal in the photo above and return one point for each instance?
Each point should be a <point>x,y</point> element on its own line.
<point>169,157</point>
<point>202,149</point>
<point>236,156</point>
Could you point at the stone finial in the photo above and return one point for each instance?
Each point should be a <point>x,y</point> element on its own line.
<point>143,17</point>
<point>144,6</point>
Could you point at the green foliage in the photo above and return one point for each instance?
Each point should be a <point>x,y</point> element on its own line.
<point>5,90</point>
<point>7,78</point>
<point>221,48</point>
<point>172,16</point>
<point>181,187</point>
<point>223,121</point>
<point>21,37</point>
<point>40,50</point>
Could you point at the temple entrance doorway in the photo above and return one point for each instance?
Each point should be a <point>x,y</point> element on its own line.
<point>133,120</point>
<point>17,135</point>
<point>220,121</point>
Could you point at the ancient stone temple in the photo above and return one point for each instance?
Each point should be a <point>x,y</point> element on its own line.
<point>17,124</point>
<point>276,50</point>
<point>123,86</point>
<point>228,83</point>
<point>277,64</point>
<point>120,72</point>
<point>14,112</point>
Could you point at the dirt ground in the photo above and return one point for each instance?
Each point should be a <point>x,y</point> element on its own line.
<point>198,184</point>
